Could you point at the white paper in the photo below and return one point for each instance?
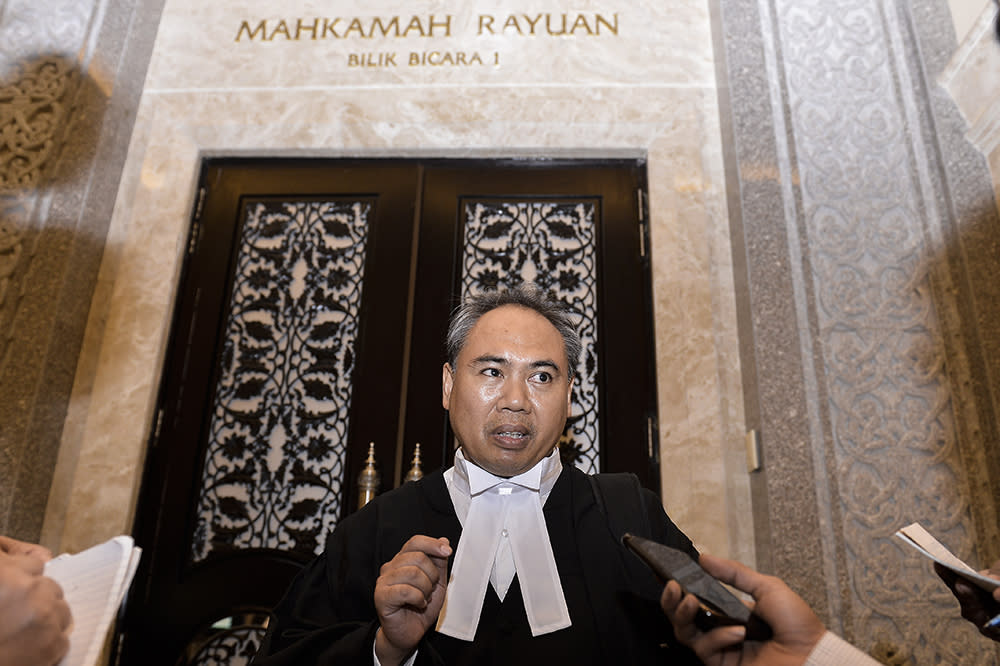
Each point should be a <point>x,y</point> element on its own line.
<point>94,583</point>
<point>915,535</point>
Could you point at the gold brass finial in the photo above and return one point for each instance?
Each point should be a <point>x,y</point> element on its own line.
<point>369,479</point>
<point>416,471</point>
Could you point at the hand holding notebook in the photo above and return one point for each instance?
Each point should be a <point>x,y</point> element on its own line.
<point>916,536</point>
<point>34,618</point>
<point>977,593</point>
<point>94,583</point>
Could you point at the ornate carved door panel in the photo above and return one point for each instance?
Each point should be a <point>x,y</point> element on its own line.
<point>310,322</point>
<point>282,343</point>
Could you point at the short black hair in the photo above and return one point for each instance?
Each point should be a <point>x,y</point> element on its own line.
<point>529,296</point>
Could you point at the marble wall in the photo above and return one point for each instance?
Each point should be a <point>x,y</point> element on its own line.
<point>822,221</point>
<point>239,78</point>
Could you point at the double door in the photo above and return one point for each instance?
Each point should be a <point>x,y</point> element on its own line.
<point>309,326</point>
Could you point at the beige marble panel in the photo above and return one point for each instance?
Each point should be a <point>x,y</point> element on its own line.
<point>200,44</point>
<point>670,116</point>
<point>700,403</point>
<point>972,78</point>
<point>111,411</point>
<point>964,14</point>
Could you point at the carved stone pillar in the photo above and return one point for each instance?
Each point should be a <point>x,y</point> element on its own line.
<point>865,224</point>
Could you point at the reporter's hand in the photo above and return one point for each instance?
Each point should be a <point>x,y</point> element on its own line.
<point>978,606</point>
<point>10,546</point>
<point>409,594</point>
<point>34,618</point>
<point>796,627</point>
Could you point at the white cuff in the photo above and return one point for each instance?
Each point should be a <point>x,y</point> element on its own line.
<point>832,650</point>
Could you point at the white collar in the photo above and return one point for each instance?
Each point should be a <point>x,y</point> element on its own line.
<point>503,533</point>
<point>466,479</point>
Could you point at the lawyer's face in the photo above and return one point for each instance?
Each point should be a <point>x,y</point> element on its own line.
<point>509,392</point>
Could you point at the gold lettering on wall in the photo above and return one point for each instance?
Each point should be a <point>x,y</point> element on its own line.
<point>567,24</point>
<point>345,28</point>
<point>301,26</point>
<point>556,25</point>
<point>339,27</point>
<point>449,58</point>
<point>384,59</point>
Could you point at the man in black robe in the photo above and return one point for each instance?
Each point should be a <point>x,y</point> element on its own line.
<point>508,557</point>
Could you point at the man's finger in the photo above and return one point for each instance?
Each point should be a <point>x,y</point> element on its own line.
<point>442,564</point>
<point>14,547</point>
<point>412,559</point>
<point>50,596</point>
<point>430,554</point>
<point>741,577</point>
<point>681,612</point>
<point>65,616</point>
<point>732,573</point>
<point>402,595</point>
<point>711,643</point>
<point>670,597</point>
<point>413,576</point>
<point>26,563</point>
<point>432,547</point>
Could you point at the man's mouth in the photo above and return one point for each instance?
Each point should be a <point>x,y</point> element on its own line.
<point>511,434</point>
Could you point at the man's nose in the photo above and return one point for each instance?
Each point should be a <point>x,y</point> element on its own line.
<point>514,396</point>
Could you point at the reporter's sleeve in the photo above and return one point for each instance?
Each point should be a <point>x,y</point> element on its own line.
<point>832,650</point>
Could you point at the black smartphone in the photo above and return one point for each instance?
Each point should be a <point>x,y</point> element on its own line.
<point>719,606</point>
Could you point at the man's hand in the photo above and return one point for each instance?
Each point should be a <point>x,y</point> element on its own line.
<point>34,618</point>
<point>796,627</point>
<point>409,594</point>
<point>978,605</point>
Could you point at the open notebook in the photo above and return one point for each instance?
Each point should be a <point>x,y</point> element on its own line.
<point>94,583</point>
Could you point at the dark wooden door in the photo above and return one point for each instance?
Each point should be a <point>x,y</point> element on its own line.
<point>310,322</point>
<point>281,345</point>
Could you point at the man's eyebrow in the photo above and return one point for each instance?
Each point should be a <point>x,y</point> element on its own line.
<point>500,360</point>
<point>485,358</point>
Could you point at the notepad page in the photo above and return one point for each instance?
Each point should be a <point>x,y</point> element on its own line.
<point>94,582</point>
<point>918,537</point>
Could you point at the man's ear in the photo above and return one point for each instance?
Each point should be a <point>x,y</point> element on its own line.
<point>447,380</point>
<point>569,395</point>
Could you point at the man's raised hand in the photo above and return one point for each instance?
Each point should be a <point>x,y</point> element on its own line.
<point>409,594</point>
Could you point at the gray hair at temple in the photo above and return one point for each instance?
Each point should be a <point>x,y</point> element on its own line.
<point>465,316</point>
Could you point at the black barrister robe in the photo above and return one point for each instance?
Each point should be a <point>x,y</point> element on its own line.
<point>328,614</point>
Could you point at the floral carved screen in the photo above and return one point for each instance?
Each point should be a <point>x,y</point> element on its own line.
<point>232,648</point>
<point>274,465</point>
<point>229,645</point>
<point>551,244</point>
